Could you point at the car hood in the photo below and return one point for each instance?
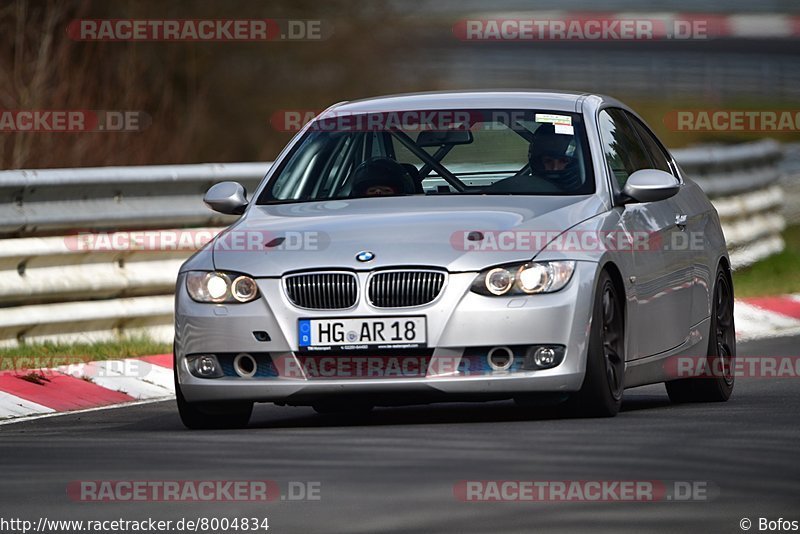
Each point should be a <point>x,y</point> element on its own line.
<point>399,231</point>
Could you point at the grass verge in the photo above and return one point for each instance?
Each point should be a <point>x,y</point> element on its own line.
<point>777,275</point>
<point>43,355</point>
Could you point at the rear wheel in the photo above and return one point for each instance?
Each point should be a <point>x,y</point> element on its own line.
<point>721,352</point>
<point>601,393</point>
<point>210,415</point>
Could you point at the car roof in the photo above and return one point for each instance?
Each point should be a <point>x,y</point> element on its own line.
<point>494,99</point>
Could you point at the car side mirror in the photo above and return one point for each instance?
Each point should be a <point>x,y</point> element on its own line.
<point>229,198</point>
<point>650,185</point>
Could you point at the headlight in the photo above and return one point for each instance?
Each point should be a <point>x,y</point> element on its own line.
<point>217,287</point>
<point>499,281</point>
<point>525,279</point>
<point>244,289</point>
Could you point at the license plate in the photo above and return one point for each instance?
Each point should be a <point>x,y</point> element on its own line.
<point>362,333</point>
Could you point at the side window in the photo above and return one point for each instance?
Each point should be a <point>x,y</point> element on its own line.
<point>313,172</point>
<point>336,169</point>
<point>657,154</point>
<point>621,145</point>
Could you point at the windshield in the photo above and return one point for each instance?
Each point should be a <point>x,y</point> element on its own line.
<point>487,152</point>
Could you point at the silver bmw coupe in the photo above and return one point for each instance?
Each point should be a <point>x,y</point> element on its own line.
<point>537,246</point>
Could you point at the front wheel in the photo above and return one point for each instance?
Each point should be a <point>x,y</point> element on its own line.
<point>210,415</point>
<point>601,392</point>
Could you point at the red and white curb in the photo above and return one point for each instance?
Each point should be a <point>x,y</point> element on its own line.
<point>85,386</point>
<point>111,383</point>
<point>765,317</point>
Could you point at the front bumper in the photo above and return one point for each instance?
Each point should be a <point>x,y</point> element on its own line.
<point>457,320</point>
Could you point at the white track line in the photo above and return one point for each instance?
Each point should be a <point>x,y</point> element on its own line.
<point>13,406</point>
<point>84,410</point>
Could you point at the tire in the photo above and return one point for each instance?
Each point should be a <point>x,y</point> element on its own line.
<point>601,392</point>
<point>210,415</point>
<point>721,352</point>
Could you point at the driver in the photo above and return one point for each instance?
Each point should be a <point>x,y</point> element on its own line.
<point>549,158</point>
<point>553,168</point>
<point>376,188</point>
<point>378,177</point>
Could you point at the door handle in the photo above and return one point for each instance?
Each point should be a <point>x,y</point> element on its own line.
<point>680,221</point>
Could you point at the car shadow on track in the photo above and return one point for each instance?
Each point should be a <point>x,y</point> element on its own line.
<point>434,414</point>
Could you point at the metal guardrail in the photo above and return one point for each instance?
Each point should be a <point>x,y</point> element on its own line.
<point>38,202</point>
<point>790,183</point>
<point>51,287</point>
<point>743,182</point>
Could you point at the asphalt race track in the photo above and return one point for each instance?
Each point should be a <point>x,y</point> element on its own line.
<point>394,470</point>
